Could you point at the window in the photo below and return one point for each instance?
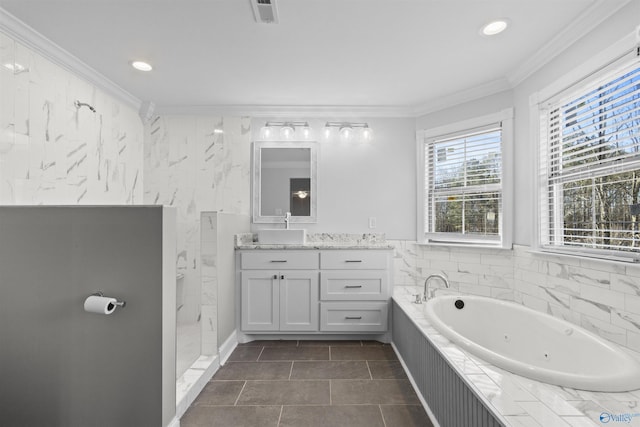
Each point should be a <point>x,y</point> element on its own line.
<point>463,182</point>
<point>590,166</point>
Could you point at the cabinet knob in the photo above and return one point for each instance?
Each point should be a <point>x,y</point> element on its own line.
<point>282,277</point>
<point>275,277</point>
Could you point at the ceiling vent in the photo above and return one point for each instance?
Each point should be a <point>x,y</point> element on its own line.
<point>265,11</point>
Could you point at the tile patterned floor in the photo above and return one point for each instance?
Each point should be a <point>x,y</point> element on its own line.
<point>309,384</point>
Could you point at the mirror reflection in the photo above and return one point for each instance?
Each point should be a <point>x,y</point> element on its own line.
<point>286,181</point>
<point>284,176</point>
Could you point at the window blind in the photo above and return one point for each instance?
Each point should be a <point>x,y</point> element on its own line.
<point>590,162</point>
<point>463,199</point>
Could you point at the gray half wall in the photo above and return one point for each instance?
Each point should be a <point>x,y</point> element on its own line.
<point>62,366</point>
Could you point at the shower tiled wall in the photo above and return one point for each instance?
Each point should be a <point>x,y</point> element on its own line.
<point>601,296</point>
<point>54,153</point>
<point>196,164</point>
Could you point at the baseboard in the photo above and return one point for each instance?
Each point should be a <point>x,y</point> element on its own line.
<point>227,347</point>
<point>430,414</point>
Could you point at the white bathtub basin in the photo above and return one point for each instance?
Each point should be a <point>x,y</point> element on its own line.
<point>534,344</point>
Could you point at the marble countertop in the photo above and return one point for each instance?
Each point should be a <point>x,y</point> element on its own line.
<point>320,241</point>
<point>518,401</point>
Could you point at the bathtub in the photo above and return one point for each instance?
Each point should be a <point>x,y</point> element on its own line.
<point>533,344</point>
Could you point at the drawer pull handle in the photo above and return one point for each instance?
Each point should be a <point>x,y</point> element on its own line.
<point>353,260</point>
<point>278,260</point>
<point>352,286</point>
<point>353,317</point>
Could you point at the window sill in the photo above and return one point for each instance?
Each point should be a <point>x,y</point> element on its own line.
<point>585,255</point>
<point>466,245</point>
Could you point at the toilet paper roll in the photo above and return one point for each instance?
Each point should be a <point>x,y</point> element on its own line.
<point>100,305</point>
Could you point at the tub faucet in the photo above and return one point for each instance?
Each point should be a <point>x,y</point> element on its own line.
<point>428,294</point>
<point>287,218</point>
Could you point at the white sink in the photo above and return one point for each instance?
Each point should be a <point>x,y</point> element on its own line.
<point>280,236</point>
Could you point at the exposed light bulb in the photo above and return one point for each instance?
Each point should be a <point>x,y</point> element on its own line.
<point>346,133</point>
<point>266,133</point>
<point>301,194</point>
<point>327,132</point>
<point>367,134</point>
<point>306,131</point>
<point>287,132</point>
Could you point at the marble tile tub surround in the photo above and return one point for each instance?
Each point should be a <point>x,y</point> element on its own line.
<point>54,153</point>
<point>519,401</point>
<point>320,241</point>
<point>601,296</point>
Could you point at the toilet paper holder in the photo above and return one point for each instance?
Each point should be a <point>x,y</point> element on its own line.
<point>101,294</point>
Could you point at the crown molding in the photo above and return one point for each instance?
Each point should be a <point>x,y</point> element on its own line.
<point>24,34</point>
<point>463,96</point>
<point>589,19</point>
<point>288,111</point>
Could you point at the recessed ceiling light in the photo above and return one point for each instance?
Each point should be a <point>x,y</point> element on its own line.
<point>494,27</point>
<point>141,65</point>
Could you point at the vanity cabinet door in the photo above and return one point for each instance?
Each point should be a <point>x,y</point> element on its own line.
<point>260,299</point>
<point>299,301</point>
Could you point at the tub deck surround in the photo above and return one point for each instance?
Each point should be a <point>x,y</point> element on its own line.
<point>533,344</point>
<point>320,241</point>
<point>516,400</point>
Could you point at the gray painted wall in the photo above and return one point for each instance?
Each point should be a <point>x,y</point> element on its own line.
<point>59,365</point>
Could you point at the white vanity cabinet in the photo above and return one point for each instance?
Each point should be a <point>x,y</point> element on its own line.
<point>354,289</point>
<point>279,291</point>
<point>312,291</point>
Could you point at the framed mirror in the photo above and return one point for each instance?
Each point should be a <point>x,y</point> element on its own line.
<point>284,180</point>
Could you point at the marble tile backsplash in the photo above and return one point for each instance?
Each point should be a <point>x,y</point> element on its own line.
<point>601,296</point>
<point>52,152</point>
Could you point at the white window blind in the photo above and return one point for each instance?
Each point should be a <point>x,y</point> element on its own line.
<point>463,191</point>
<point>590,166</point>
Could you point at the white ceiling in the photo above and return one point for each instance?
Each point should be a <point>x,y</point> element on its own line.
<point>367,53</point>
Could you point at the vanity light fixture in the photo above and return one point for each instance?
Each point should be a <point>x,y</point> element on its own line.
<point>287,131</point>
<point>348,131</point>
<point>141,66</point>
<point>494,27</point>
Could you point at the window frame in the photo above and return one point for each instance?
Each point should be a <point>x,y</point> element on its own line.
<point>423,137</point>
<point>601,67</point>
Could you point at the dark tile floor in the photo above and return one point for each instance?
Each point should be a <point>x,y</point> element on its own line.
<point>309,384</point>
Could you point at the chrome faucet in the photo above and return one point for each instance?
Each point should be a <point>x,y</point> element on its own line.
<point>287,218</point>
<point>430,294</point>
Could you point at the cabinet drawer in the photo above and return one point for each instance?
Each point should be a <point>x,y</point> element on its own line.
<point>353,317</point>
<point>279,260</point>
<point>353,285</point>
<point>354,260</point>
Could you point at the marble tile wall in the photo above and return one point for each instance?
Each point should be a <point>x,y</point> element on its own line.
<point>191,165</point>
<point>601,296</point>
<point>54,153</point>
